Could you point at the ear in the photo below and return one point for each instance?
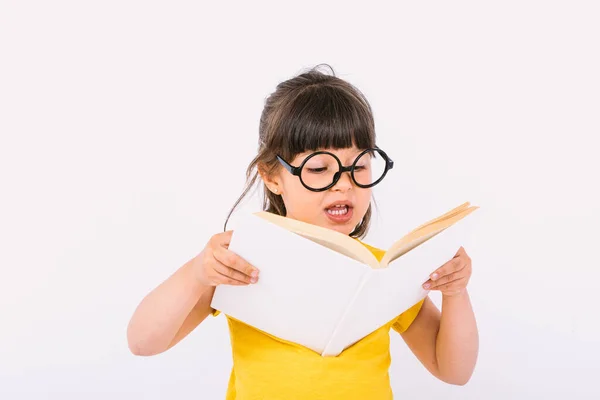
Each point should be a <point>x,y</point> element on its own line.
<point>271,180</point>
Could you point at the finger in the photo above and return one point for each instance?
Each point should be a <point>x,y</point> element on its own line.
<point>430,284</point>
<point>452,285</point>
<point>462,253</point>
<point>465,255</point>
<point>240,268</point>
<point>230,273</point>
<point>222,239</point>
<point>232,260</point>
<point>456,264</point>
<point>459,252</point>
<point>222,279</point>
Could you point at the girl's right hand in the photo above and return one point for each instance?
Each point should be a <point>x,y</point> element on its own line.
<point>216,264</point>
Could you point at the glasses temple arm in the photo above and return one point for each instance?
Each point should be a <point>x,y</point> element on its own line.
<point>291,170</point>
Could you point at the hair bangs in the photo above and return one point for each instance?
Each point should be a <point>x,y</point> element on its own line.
<point>323,117</point>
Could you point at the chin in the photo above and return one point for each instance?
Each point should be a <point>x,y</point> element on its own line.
<point>344,229</point>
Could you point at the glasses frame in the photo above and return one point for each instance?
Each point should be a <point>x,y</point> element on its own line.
<point>297,171</point>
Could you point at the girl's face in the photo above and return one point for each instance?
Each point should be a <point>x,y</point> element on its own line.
<point>340,208</point>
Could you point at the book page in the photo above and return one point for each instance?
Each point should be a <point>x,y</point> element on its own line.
<point>455,211</point>
<point>303,287</point>
<point>421,235</point>
<point>390,291</point>
<point>406,245</point>
<point>330,238</point>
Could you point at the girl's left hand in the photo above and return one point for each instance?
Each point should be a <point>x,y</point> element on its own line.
<point>452,277</point>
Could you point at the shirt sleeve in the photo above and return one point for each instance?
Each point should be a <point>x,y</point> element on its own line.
<point>407,317</point>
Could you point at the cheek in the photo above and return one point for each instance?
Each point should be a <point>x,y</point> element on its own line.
<point>363,199</point>
<point>299,202</point>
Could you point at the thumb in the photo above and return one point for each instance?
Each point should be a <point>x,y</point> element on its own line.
<point>224,238</point>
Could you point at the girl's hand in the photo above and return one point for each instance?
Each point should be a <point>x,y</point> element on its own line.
<point>452,277</point>
<point>216,264</point>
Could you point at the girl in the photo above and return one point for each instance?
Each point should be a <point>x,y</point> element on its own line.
<point>318,161</point>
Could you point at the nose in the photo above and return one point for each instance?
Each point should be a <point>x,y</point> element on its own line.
<point>344,183</point>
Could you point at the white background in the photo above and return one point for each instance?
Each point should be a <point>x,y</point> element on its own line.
<point>126,128</point>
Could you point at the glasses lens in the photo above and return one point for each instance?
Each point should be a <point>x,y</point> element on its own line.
<point>319,170</point>
<point>369,167</point>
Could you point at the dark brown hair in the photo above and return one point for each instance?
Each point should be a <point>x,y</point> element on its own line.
<point>310,111</point>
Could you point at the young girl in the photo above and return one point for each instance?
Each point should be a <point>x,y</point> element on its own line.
<point>318,161</point>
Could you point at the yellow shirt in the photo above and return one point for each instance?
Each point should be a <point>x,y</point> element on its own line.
<point>265,367</point>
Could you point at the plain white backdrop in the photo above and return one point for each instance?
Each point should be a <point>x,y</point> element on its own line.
<point>126,128</point>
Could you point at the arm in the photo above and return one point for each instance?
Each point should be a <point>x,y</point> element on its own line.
<point>168,313</point>
<point>179,304</point>
<point>447,343</point>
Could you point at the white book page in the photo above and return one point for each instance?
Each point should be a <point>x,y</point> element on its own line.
<point>303,287</point>
<point>390,291</point>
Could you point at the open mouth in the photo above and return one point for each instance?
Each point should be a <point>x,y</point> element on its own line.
<point>337,210</point>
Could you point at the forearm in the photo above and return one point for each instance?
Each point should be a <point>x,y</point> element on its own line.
<point>457,342</point>
<point>169,312</point>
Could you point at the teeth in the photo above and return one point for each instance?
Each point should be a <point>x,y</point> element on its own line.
<point>339,210</point>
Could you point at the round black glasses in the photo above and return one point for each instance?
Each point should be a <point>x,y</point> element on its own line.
<point>321,170</point>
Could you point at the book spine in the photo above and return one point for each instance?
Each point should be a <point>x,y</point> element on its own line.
<point>332,348</point>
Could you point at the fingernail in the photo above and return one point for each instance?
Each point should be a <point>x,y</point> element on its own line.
<point>426,285</point>
<point>254,274</point>
<point>434,276</point>
<point>253,280</point>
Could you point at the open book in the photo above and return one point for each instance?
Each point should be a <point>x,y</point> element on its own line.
<point>325,290</point>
